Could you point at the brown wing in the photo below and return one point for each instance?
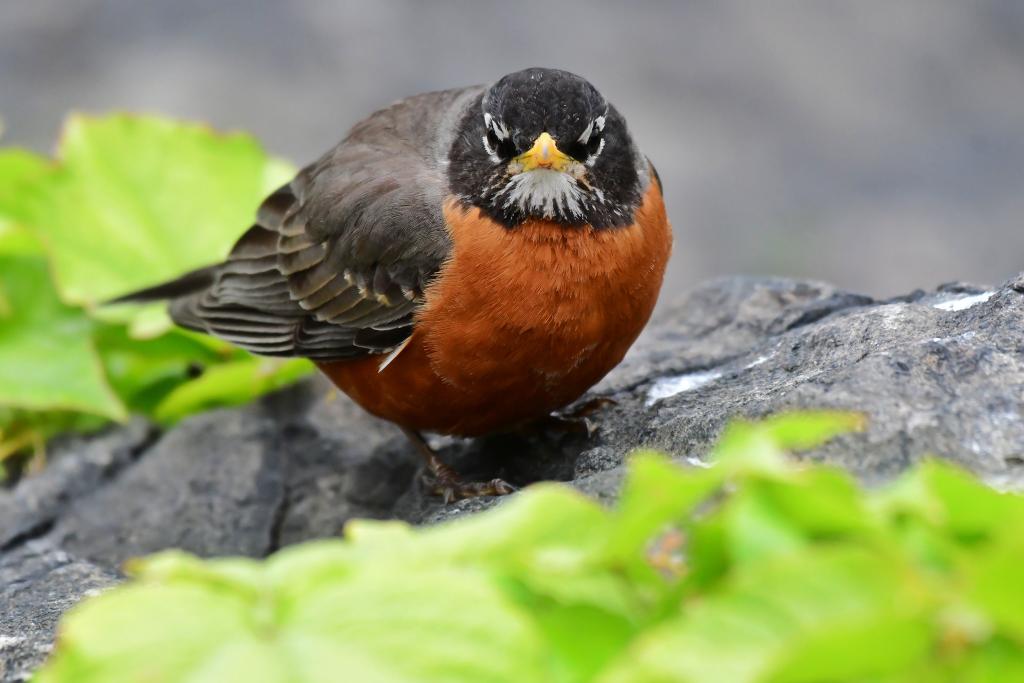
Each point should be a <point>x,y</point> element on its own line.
<point>338,260</point>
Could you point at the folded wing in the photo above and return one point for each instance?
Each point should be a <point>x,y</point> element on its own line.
<point>338,260</point>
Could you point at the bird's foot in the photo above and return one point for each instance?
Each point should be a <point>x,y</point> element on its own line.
<point>567,424</point>
<point>579,420</point>
<point>588,408</point>
<point>451,487</point>
<point>444,481</point>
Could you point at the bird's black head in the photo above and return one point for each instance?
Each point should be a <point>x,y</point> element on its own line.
<point>544,143</point>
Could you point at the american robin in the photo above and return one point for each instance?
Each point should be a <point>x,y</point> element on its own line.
<point>463,262</point>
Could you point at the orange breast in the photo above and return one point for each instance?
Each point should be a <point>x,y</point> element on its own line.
<point>518,323</point>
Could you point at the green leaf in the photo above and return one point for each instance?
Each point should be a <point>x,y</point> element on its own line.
<point>106,640</point>
<point>20,174</point>
<point>997,660</point>
<point>133,200</point>
<point>233,383</point>
<point>995,586</point>
<point>756,570</point>
<point>42,342</point>
<point>760,446</point>
<point>657,490</point>
<point>575,657</point>
<point>527,531</point>
<point>19,171</point>
<point>136,200</point>
<point>548,549</point>
<point>649,537</point>
<point>945,496</point>
<point>47,357</point>
<point>776,515</point>
<point>381,613</point>
<point>822,501</point>
<point>372,626</point>
<point>809,429</point>
<point>758,531</point>
<point>144,372</point>
<point>838,615</point>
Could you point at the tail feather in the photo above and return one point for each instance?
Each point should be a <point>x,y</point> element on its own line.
<point>189,283</point>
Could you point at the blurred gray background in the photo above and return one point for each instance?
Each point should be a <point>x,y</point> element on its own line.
<point>875,144</point>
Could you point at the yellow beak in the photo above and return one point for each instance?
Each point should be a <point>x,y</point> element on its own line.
<point>544,154</point>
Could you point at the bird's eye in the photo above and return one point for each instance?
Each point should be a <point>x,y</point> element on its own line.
<point>588,146</point>
<point>492,139</point>
<point>497,141</point>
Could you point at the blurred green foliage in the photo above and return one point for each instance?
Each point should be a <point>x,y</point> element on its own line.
<point>128,202</point>
<point>749,570</point>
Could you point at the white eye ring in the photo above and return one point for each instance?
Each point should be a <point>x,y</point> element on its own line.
<point>597,124</point>
<point>498,129</point>
<point>584,137</point>
<point>492,153</point>
<point>592,159</point>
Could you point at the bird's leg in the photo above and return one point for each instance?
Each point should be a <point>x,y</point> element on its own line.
<point>588,408</point>
<point>578,420</point>
<point>446,481</point>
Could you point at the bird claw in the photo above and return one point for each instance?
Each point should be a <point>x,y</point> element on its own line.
<point>578,420</point>
<point>571,424</point>
<point>444,481</point>
<point>452,490</point>
<point>588,408</point>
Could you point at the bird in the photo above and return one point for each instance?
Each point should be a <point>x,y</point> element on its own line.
<point>464,262</point>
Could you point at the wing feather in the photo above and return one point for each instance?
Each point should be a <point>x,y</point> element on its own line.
<point>338,261</point>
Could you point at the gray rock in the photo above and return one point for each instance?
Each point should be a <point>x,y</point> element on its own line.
<point>211,486</point>
<point>78,466</point>
<point>937,373</point>
<point>942,374</point>
<point>38,583</point>
<point>246,481</point>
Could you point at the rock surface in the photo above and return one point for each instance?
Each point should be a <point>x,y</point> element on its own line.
<point>937,373</point>
<point>38,583</point>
